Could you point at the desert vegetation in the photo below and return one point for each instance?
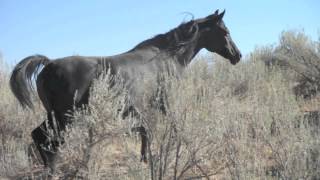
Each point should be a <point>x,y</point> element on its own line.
<point>256,120</point>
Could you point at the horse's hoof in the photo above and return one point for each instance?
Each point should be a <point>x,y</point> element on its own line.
<point>144,159</point>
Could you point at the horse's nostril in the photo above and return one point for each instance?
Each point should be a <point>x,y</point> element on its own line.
<point>240,55</point>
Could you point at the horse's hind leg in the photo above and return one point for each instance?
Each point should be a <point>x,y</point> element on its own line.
<point>46,143</point>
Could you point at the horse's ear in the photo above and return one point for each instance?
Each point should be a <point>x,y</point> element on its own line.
<point>220,16</point>
<point>216,12</point>
<point>213,18</point>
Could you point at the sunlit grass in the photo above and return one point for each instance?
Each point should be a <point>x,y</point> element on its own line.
<point>249,121</point>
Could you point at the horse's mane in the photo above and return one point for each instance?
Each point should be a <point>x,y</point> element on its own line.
<point>174,40</point>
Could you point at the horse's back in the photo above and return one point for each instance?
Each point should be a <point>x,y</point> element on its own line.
<point>65,81</point>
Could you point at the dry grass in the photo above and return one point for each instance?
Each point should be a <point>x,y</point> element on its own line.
<point>247,121</point>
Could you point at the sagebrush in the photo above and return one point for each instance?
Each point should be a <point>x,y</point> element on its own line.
<point>256,120</point>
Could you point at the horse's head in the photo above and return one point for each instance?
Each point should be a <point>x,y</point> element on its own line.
<point>215,37</point>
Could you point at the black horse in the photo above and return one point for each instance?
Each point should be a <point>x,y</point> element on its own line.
<point>61,78</point>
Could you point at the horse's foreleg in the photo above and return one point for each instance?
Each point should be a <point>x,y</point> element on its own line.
<point>144,141</point>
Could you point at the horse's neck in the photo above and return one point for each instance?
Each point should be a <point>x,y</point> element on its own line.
<point>187,54</point>
<point>161,44</point>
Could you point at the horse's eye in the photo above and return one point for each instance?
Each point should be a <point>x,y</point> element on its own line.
<point>224,32</point>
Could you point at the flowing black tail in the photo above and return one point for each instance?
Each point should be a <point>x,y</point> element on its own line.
<point>21,78</point>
